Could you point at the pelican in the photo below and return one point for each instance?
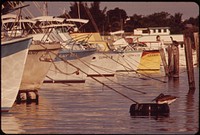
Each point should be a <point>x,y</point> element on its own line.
<point>161,99</point>
<point>174,41</point>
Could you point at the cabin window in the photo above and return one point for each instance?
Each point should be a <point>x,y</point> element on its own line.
<point>159,30</point>
<point>154,31</point>
<point>145,31</point>
<point>165,30</point>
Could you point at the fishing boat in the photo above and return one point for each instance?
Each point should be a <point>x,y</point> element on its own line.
<point>161,37</point>
<point>40,55</point>
<point>71,64</point>
<point>103,62</point>
<point>13,57</point>
<point>37,65</point>
<point>128,55</point>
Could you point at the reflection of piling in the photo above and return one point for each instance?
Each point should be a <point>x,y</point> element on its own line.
<point>27,96</point>
<point>196,41</point>
<point>189,63</point>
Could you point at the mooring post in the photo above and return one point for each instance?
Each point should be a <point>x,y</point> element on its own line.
<point>36,97</point>
<point>196,41</point>
<point>162,55</point>
<point>175,52</point>
<point>170,60</point>
<point>189,63</point>
<point>18,99</point>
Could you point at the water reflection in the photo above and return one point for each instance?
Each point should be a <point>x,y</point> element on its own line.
<point>10,124</point>
<point>92,108</point>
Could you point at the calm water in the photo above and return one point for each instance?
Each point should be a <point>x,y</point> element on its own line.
<point>91,108</point>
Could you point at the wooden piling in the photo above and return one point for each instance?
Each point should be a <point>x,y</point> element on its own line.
<point>170,61</point>
<point>162,55</point>
<point>175,51</point>
<point>189,63</point>
<point>196,41</point>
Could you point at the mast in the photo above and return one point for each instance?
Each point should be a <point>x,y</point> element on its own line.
<point>45,10</point>
<point>79,10</point>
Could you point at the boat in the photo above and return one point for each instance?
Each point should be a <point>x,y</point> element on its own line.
<point>160,37</point>
<point>41,52</point>
<point>13,57</point>
<point>71,64</point>
<point>37,65</point>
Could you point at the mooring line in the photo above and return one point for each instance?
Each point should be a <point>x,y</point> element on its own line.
<point>108,78</point>
<point>140,73</point>
<point>93,77</point>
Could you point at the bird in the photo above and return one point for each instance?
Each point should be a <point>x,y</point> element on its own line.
<point>174,42</point>
<point>162,99</point>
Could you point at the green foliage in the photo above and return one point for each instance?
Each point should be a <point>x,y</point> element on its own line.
<point>116,19</point>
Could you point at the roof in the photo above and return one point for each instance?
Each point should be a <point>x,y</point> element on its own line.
<point>7,16</point>
<point>48,18</point>
<point>58,25</point>
<point>21,20</point>
<point>78,20</point>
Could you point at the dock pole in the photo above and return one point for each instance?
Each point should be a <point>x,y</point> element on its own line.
<point>196,41</point>
<point>162,55</point>
<point>175,53</point>
<point>170,61</point>
<point>189,63</point>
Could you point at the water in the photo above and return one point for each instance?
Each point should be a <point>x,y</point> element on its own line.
<point>92,108</point>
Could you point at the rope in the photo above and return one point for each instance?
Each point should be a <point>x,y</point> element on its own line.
<point>108,78</point>
<point>141,73</point>
<point>93,77</point>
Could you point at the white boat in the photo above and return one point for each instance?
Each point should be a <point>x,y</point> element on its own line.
<point>13,57</point>
<point>160,37</point>
<point>103,64</point>
<point>37,65</point>
<point>40,55</point>
<point>76,53</point>
<point>73,69</point>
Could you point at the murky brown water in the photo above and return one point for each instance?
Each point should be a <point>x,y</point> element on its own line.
<point>91,108</point>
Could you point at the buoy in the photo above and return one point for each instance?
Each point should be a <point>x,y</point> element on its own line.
<point>152,109</point>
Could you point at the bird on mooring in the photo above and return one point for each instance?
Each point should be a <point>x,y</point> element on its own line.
<point>174,41</point>
<point>162,99</point>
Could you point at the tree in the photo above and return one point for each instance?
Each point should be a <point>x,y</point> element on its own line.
<point>115,19</point>
<point>176,24</point>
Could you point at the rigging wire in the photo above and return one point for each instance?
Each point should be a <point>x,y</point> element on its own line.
<point>93,77</point>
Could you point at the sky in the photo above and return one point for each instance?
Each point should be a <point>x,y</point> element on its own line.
<point>187,9</point>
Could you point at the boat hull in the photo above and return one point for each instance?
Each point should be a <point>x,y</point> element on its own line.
<point>13,57</point>
<point>62,71</point>
<point>37,65</point>
<point>150,61</point>
<point>129,61</point>
<point>103,64</point>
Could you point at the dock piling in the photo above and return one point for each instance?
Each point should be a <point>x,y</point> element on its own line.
<point>196,41</point>
<point>189,63</point>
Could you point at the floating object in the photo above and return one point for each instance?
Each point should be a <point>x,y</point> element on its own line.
<point>162,99</point>
<point>149,109</point>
